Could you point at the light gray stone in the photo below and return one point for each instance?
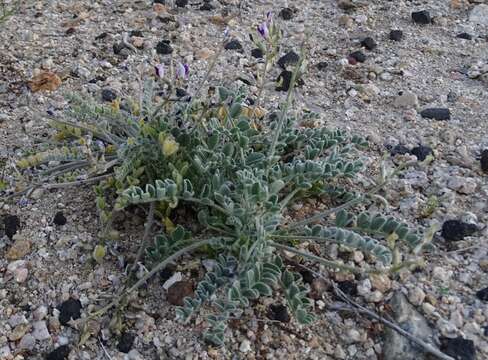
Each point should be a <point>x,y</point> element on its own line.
<point>479,15</point>
<point>396,346</point>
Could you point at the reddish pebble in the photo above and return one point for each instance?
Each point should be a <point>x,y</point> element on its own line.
<point>352,61</point>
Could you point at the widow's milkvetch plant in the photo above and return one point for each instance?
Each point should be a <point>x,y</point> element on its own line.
<point>239,179</point>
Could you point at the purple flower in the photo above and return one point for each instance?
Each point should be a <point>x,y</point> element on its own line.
<point>159,70</point>
<point>182,71</point>
<point>263,30</point>
<point>269,17</point>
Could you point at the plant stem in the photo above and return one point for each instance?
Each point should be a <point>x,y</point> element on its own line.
<point>126,292</point>
<point>147,231</point>
<point>281,121</point>
<point>329,264</point>
<point>350,203</point>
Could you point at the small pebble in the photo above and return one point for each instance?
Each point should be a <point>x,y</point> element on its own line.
<point>108,95</point>
<point>464,36</point>
<point>181,3</point>
<point>11,224</point>
<point>482,294</point>
<point>290,58</point>
<point>233,45</point>
<point>396,35</point>
<point>458,348</point>
<point>421,152</point>
<point>257,53</point>
<point>484,161</point>
<point>164,48</point>
<point>421,17</point>
<point>125,342</point>
<point>455,230</point>
<point>60,353</point>
<point>358,56</point>
<point>368,43</point>
<point>278,312</point>
<point>436,113</point>
<point>59,219</point>
<point>69,309</point>
<point>286,14</point>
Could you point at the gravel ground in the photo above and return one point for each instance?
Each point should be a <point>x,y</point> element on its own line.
<point>383,98</point>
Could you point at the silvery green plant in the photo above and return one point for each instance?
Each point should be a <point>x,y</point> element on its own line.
<point>240,180</point>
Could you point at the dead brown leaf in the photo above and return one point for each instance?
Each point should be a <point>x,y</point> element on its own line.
<point>45,81</point>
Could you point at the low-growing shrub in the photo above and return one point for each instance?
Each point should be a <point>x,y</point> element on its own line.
<point>238,167</point>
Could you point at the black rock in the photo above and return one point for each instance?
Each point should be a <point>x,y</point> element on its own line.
<point>482,294</point>
<point>278,312</point>
<point>436,113</point>
<point>164,48</point>
<point>60,353</point>
<point>284,80</point>
<point>368,43</point>
<point>421,152</point>
<point>485,330</point>
<point>125,342</point>
<point>118,47</point>
<point>207,7</point>
<point>399,150</point>
<point>166,273</point>
<point>321,66</point>
<point>464,36</point>
<point>348,287</point>
<point>286,13</point>
<point>101,36</point>
<point>137,33</point>
<point>484,160</point>
<point>290,58</point>
<point>455,230</point>
<point>59,218</point>
<point>307,276</point>
<point>257,53</point>
<point>159,2</point>
<point>70,309</point>
<point>458,348</point>
<point>180,92</point>
<point>233,45</point>
<point>358,56</point>
<point>181,3</point>
<point>421,17</point>
<point>11,224</point>
<point>108,95</point>
<point>396,35</point>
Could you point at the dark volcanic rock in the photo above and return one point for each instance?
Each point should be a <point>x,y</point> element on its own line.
<point>257,53</point>
<point>290,58</point>
<point>436,113</point>
<point>396,35</point>
<point>421,17</point>
<point>60,353</point>
<point>358,56</point>
<point>286,13</point>
<point>11,224</point>
<point>164,48</point>
<point>455,230</point>
<point>348,287</point>
<point>484,160</point>
<point>399,150</point>
<point>125,342</point>
<point>207,6</point>
<point>233,45</point>
<point>59,218</point>
<point>108,95</point>
<point>278,312</point>
<point>368,43</point>
<point>70,309</point>
<point>464,36</point>
<point>181,3</point>
<point>458,348</point>
<point>482,294</point>
<point>321,66</point>
<point>284,80</point>
<point>421,152</point>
